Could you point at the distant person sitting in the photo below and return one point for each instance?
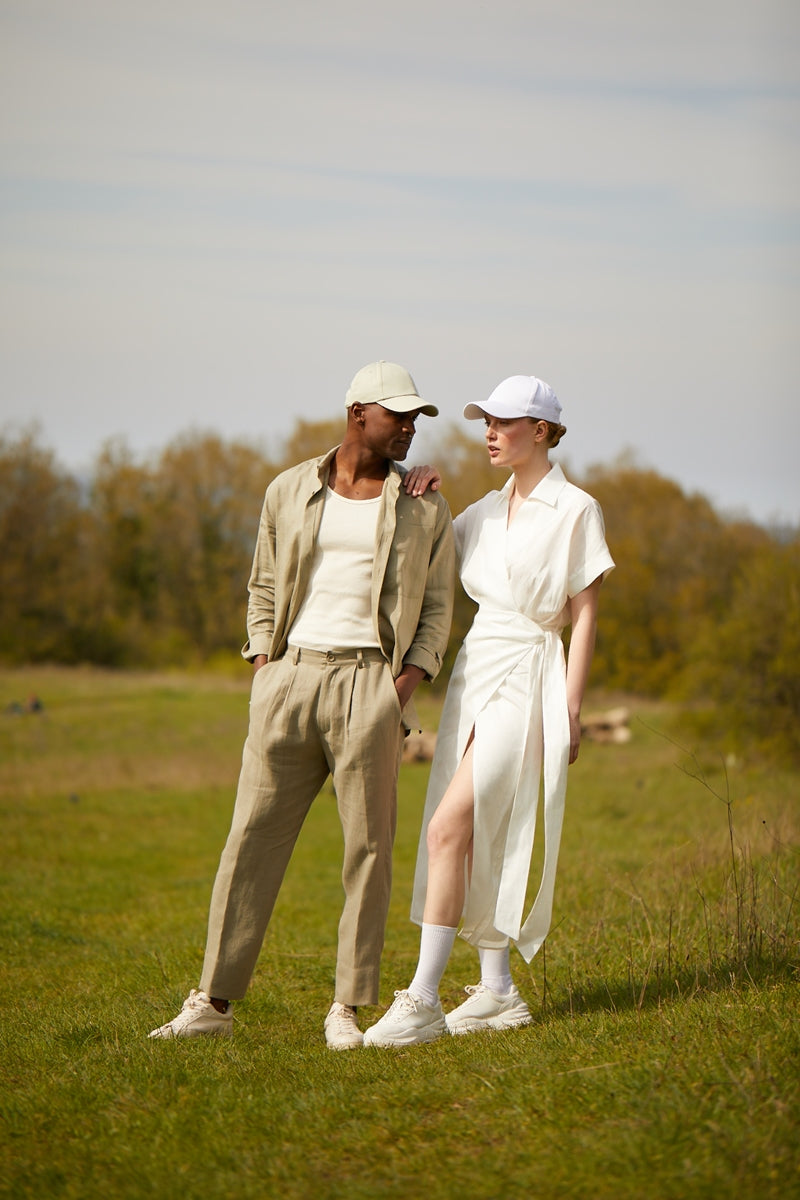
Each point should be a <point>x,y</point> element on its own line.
<point>350,604</point>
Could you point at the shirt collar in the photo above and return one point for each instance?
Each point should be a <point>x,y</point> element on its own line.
<point>323,465</point>
<point>547,490</point>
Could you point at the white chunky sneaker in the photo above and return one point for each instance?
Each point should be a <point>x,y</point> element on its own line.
<point>409,1022</point>
<point>197,1018</point>
<point>341,1028</point>
<point>485,1009</point>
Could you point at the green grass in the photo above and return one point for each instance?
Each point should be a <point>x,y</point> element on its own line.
<point>664,1056</point>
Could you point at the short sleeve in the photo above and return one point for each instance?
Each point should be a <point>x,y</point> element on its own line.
<point>589,557</point>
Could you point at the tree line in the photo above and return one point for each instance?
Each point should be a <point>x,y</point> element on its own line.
<point>145,563</point>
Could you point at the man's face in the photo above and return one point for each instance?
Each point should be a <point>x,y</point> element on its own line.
<point>389,434</point>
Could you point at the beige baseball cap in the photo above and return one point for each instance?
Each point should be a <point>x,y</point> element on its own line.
<point>389,385</point>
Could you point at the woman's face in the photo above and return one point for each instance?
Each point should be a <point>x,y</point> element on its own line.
<point>511,442</point>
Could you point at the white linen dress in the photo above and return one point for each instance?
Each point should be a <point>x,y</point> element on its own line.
<point>509,684</point>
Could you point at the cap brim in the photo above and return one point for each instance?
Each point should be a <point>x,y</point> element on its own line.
<point>473,412</point>
<point>504,412</point>
<point>404,404</point>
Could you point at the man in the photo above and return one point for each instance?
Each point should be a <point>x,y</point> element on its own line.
<point>351,597</point>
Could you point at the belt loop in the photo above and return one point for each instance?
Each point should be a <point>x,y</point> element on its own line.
<point>360,658</point>
<point>296,655</point>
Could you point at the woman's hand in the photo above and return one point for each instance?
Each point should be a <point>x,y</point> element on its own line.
<point>419,479</point>
<point>583,607</point>
<point>574,736</point>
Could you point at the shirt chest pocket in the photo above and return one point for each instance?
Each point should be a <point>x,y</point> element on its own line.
<point>409,557</point>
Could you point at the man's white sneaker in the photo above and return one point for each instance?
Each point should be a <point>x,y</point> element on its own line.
<point>341,1028</point>
<point>408,1022</point>
<point>485,1009</point>
<point>197,1018</point>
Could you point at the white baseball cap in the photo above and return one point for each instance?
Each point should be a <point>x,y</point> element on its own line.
<point>519,396</point>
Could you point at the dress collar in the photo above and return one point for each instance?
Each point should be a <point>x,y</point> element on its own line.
<point>547,490</point>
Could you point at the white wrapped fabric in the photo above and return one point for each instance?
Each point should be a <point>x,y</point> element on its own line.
<point>509,684</point>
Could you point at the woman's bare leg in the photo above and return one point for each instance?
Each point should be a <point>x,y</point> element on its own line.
<point>449,846</point>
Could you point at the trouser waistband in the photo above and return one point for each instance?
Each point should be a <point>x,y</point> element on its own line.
<point>335,658</point>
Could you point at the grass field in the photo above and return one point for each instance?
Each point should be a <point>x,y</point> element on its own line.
<point>663,1061</point>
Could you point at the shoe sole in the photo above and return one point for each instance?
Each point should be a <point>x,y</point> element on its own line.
<point>476,1024</point>
<point>158,1036</point>
<point>412,1038</point>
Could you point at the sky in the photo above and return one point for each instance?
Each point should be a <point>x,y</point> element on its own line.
<point>212,215</point>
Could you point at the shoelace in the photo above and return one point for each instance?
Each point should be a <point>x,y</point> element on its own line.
<point>343,1019</point>
<point>403,1002</point>
<point>193,1002</point>
<point>195,999</point>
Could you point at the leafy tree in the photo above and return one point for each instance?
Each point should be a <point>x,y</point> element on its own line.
<point>749,661</point>
<point>209,495</point>
<point>676,559</point>
<point>125,514</point>
<point>45,576</point>
<point>312,438</point>
<point>177,537</point>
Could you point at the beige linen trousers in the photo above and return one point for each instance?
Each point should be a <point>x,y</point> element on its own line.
<point>311,713</point>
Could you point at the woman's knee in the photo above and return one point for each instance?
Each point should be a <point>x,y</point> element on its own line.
<point>446,837</point>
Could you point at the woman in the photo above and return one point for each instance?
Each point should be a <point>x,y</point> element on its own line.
<point>533,556</point>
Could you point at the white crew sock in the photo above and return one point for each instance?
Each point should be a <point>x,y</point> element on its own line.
<point>496,970</point>
<point>435,944</point>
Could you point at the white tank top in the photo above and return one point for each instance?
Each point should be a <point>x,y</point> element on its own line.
<point>337,611</point>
